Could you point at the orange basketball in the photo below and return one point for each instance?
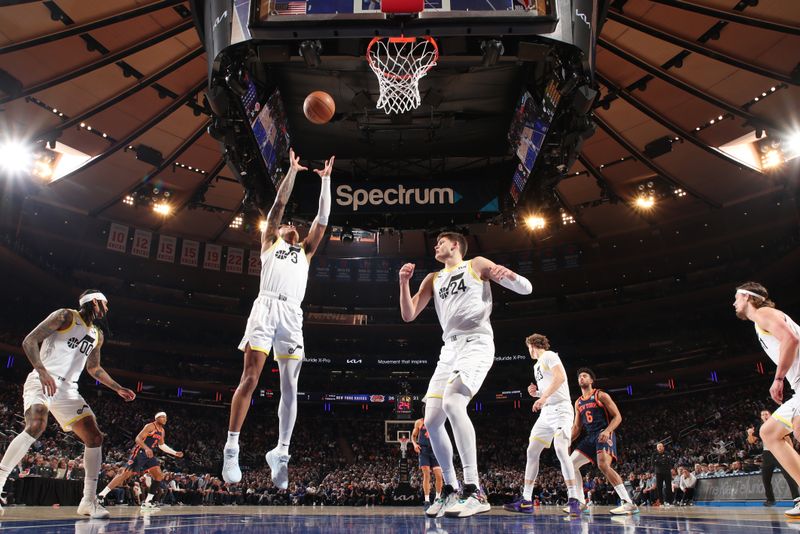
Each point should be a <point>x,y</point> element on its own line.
<point>319,107</point>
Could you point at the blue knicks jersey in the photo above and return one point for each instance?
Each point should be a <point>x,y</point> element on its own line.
<point>594,416</point>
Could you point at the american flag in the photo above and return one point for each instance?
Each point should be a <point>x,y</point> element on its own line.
<point>290,8</point>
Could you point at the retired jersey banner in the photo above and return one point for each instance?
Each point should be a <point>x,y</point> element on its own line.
<point>141,243</point>
<point>117,237</point>
<point>254,263</point>
<point>167,245</point>
<point>235,260</point>
<point>213,257</point>
<point>190,253</point>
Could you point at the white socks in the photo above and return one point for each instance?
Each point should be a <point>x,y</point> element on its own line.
<point>454,404</point>
<point>92,462</point>
<point>527,493</point>
<point>287,408</point>
<point>150,495</point>
<point>233,441</point>
<point>622,492</point>
<point>440,441</point>
<point>16,450</point>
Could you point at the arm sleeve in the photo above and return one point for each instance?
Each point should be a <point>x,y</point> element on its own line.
<point>166,448</point>
<point>519,285</point>
<point>324,201</point>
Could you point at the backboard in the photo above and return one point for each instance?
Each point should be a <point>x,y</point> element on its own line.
<point>319,19</point>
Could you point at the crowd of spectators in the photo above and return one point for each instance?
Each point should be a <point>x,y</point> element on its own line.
<point>345,461</point>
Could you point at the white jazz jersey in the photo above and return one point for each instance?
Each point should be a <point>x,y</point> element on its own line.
<point>64,352</point>
<point>284,271</point>
<point>543,372</point>
<point>463,301</point>
<point>772,348</point>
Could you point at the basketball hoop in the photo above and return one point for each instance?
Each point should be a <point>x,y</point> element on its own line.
<point>399,63</point>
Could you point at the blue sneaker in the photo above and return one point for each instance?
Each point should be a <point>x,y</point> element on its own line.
<point>522,506</point>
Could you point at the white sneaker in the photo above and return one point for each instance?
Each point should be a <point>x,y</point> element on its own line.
<point>230,466</point>
<point>279,465</point>
<point>794,511</point>
<point>149,507</point>
<point>626,508</point>
<point>93,509</point>
<point>468,505</point>
<point>441,504</point>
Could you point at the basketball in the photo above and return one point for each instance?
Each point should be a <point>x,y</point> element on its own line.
<point>319,107</point>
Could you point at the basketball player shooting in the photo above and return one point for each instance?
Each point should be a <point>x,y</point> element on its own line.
<point>463,301</point>
<point>779,335</point>
<point>276,321</point>
<point>70,341</point>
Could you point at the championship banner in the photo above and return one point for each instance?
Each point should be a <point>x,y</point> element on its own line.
<point>141,243</point>
<point>117,237</point>
<point>235,260</point>
<point>343,271</point>
<point>254,263</point>
<point>322,268</point>
<point>167,245</point>
<point>549,259</point>
<point>190,253</point>
<point>364,270</point>
<point>212,257</point>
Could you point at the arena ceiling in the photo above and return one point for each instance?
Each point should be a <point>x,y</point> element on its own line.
<point>103,77</point>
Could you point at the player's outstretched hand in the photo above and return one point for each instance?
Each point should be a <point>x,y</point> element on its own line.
<point>533,391</point>
<point>406,272</point>
<point>48,384</point>
<point>294,161</point>
<point>126,394</point>
<point>328,169</point>
<point>179,454</point>
<point>498,272</point>
<point>776,391</point>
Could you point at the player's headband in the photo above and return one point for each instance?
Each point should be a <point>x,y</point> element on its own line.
<point>161,414</point>
<point>92,296</point>
<point>746,292</point>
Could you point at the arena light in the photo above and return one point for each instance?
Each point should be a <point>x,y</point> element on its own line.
<point>772,159</point>
<point>237,222</point>
<point>262,225</point>
<point>162,208</point>
<point>679,192</point>
<point>645,202</point>
<point>128,200</point>
<point>535,222</point>
<point>16,157</point>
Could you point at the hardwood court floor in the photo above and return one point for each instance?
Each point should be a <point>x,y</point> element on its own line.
<point>395,520</point>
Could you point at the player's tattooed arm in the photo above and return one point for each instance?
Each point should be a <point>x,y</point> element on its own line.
<point>97,372</point>
<point>281,200</point>
<point>57,320</point>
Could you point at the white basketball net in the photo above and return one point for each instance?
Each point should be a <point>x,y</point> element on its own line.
<point>400,63</point>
